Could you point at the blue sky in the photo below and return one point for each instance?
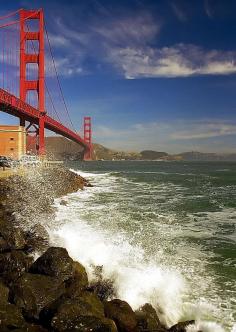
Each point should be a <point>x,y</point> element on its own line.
<point>153,74</point>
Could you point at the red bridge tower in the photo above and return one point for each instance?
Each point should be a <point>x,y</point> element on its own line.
<point>25,58</point>
<point>88,137</point>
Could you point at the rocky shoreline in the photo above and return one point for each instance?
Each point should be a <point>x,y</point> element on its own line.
<point>52,293</point>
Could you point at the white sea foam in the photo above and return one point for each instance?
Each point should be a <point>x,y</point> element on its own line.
<point>136,279</point>
<point>205,327</point>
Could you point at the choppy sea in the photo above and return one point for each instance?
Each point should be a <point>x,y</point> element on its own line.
<point>164,232</point>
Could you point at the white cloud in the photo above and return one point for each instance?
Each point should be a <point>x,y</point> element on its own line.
<point>173,137</point>
<point>201,130</point>
<point>99,37</point>
<point>208,9</point>
<point>176,61</point>
<point>135,29</point>
<point>179,13</point>
<point>126,42</point>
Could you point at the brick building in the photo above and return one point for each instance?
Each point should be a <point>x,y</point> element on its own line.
<point>12,141</point>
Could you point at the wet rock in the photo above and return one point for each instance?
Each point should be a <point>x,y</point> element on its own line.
<point>66,309</point>
<point>33,292</point>
<point>55,262</point>
<point>97,308</point>
<point>4,294</point>
<point>78,282</point>
<point>83,324</point>
<point>63,202</point>
<point>88,184</point>
<point>181,327</point>
<point>13,236</point>
<point>122,314</point>
<point>148,320</point>
<point>13,264</point>
<point>104,288</point>
<point>37,238</point>
<point>10,317</point>
<point>31,328</point>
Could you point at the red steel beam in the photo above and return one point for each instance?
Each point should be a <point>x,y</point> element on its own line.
<point>12,105</point>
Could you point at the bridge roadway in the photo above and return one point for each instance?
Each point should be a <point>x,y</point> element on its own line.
<point>14,106</point>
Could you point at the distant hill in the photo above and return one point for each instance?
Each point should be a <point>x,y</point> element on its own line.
<point>61,148</point>
<point>152,155</point>
<point>200,156</point>
<point>64,149</point>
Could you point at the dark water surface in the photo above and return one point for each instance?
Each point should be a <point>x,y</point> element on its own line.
<point>165,232</point>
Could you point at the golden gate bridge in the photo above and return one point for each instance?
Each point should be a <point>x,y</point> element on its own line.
<point>30,87</point>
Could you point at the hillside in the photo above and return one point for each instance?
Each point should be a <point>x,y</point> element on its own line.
<point>152,155</point>
<point>63,149</point>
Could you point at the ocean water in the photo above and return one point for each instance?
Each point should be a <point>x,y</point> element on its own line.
<point>164,233</point>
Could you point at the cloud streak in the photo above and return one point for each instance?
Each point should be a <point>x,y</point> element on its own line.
<point>173,137</point>
<point>128,42</point>
<point>180,60</point>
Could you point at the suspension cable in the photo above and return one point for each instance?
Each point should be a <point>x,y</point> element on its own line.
<point>9,15</point>
<point>58,81</point>
<point>50,97</point>
<point>17,21</point>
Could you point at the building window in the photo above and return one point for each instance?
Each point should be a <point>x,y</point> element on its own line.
<point>11,139</point>
<point>11,149</point>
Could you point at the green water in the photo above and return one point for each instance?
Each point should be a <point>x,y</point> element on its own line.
<point>172,216</point>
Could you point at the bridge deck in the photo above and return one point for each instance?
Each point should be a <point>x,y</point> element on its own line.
<point>14,106</point>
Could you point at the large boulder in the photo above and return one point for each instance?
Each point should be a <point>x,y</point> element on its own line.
<point>83,324</point>
<point>13,264</point>
<point>181,327</point>
<point>122,314</point>
<point>10,317</point>
<point>55,262</point>
<point>66,309</point>
<point>33,292</point>
<point>37,238</point>
<point>148,320</point>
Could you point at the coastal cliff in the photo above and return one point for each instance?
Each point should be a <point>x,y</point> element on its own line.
<point>52,292</point>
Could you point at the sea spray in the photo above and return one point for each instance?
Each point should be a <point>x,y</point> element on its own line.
<point>205,327</point>
<point>134,280</point>
<point>133,225</point>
